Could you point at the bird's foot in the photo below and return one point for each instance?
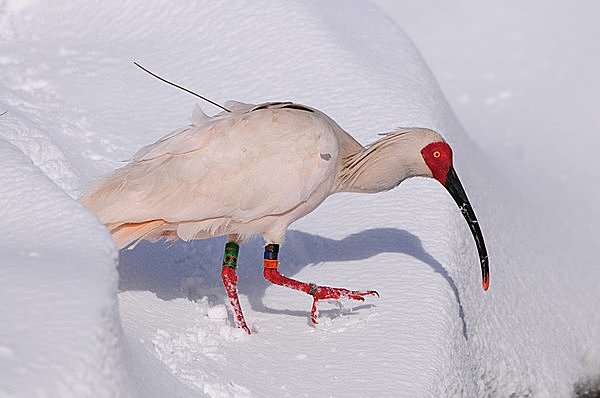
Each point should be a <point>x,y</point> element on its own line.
<point>240,322</point>
<point>230,283</point>
<point>326,292</point>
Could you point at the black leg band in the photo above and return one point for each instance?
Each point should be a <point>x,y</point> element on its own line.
<point>271,251</point>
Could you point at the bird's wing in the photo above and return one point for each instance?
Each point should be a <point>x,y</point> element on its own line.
<point>234,106</point>
<point>185,139</point>
<point>241,166</point>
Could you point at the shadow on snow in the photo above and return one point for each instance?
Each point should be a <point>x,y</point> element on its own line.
<point>192,270</point>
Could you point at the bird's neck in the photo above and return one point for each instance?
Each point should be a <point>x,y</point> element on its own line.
<point>376,168</point>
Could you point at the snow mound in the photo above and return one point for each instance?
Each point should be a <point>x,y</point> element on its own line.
<point>60,328</point>
<point>78,107</point>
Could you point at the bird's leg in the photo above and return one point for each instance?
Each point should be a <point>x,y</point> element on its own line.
<point>230,282</point>
<point>318,292</point>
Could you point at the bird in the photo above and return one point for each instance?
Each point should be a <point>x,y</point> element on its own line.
<point>253,169</point>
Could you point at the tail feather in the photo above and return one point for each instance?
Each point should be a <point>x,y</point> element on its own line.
<point>129,234</point>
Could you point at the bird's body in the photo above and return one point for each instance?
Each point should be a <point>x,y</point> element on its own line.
<point>255,170</point>
<point>244,173</point>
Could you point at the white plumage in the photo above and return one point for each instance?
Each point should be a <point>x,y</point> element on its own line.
<point>251,171</point>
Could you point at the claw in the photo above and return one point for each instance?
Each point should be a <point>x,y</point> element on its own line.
<point>368,293</point>
<point>326,292</point>
<point>244,327</point>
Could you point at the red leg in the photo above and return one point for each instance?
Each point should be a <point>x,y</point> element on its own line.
<point>230,282</point>
<point>272,274</point>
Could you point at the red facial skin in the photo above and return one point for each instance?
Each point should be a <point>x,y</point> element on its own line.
<point>438,157</point>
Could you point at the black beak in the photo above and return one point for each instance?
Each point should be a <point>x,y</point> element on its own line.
<point>455,188</point>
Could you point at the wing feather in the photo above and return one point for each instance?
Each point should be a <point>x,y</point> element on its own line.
<point>240,166</point>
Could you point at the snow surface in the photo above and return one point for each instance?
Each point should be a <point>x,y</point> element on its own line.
<point>73,324</point>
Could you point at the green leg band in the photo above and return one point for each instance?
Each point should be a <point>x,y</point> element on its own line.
<point>231,254</point>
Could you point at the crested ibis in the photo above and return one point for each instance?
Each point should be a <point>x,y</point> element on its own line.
<point>254,169</point>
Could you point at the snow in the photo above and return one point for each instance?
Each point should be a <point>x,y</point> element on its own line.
<point>77,321</point>
<point>60,329</point>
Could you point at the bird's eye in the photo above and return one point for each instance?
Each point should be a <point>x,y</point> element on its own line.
<point>436,154</point>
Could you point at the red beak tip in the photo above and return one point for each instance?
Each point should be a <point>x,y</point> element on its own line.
<point>486,284</point>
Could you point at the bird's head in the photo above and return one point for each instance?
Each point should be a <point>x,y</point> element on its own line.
<point>437,156</point>
<point>405,153</point>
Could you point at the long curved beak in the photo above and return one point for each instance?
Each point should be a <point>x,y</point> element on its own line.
<point>457,192</point>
